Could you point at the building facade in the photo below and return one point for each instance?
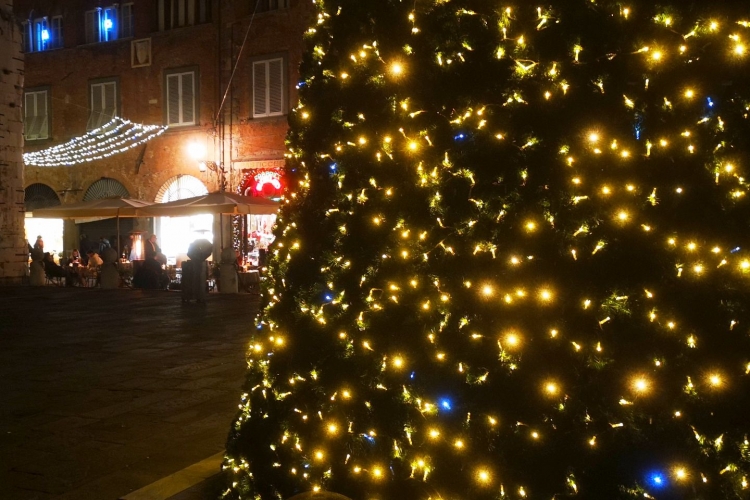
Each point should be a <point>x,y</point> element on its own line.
<point>13,249</point>
<point>221,74</point>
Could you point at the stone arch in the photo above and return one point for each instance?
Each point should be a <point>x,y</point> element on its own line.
<point>105,187</point>
<point>40,195</point>
<point>180,187</point>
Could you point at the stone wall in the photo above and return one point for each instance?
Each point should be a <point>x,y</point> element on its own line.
<point>13,250</point>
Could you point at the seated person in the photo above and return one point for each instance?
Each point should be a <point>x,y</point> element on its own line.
<point>52,270</point>
<point>75,258</point>
<point>94,260</point>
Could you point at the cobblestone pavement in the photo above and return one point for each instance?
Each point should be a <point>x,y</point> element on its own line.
<point>106,391</point>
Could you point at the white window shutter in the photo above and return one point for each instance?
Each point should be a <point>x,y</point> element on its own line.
<point>173,99</point>
<point>96,107</point>
<point>188,98</point>
<point>260,89</point>
<point>29,115</point>
<point>110,102</point>
<point>275,87</point>
<point>42,114</point>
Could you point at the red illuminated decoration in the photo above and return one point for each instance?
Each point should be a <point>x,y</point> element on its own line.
<point>266,183</point>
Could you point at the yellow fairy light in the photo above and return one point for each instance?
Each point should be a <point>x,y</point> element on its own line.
<point>739,49</point>
<point>535,435</point>
<point>362,140</point>
<point>680,473</point>
<point>346,394</point>
<point>397,69</point>
<point>692,246</point>
<point>344,75</point>
<point>458,444</point>
<point>488,291</point>
<point>593,137</point>
<point>551,388</point>
<point>553,333</point>
<point>715,380</point>
<point>413,146</point>
<point>745,265</point>
<point>398,362</point>
<point>434,433</point>
<point>305,115</point>
<point>640,384</point>
<point>545,295</point>
<point>512,340</point>
<point>713,26</point>
<point>606,190</point>
<point>319,455</point>
<point>377,472</point>
<point>333,429</point>
<point>484,476</point>
<point>657,55</point>
<point>530,226</point>
<point>623,216</point>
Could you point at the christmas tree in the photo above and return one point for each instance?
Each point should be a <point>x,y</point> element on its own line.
<point>513,262</point>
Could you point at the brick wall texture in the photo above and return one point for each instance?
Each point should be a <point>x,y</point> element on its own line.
<point>13,252</point>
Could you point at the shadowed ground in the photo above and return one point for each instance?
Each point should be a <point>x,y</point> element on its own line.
<point>106,391</point>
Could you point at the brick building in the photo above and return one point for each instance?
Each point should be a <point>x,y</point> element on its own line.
<point>164,62</point>
<point>13,253</point>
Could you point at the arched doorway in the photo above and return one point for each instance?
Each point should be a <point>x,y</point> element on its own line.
<point>91,233</point>
<point>38,196</point>
<point>176,233</point>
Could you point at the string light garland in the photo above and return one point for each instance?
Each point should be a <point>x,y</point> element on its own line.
<point>512,261</point>
<point>116,136</point>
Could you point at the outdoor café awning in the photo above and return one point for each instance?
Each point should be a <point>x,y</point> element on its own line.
<point>103,208</point>
<point>212,203</point>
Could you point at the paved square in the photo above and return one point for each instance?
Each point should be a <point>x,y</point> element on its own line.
<point>106,391</point>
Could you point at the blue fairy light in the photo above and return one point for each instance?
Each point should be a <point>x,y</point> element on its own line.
<point>445,404</point>
<point>333,167</point>
<point>412,375</point>
<point>709,102</point>
<point>657,480</point>
<point>735,250</point>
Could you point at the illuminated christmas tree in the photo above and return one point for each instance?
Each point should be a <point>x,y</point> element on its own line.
<point>513,262</point>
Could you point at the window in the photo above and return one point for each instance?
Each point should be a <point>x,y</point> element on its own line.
<point>36,115</point>
<point>103,104</point>
<point>57,41</point>
<point>40,34</point>
<point>102,24</point>
<point>268,88</point>
<point>266,5</point>
<point>181,98</point>
<point>179,13</point>
<point>127,21</point>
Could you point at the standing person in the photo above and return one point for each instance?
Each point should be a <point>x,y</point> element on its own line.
<point>103,244</point>
<point>39,244</point>
<point>151,248</point>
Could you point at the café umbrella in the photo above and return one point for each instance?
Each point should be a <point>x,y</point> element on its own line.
<point>101,208</point>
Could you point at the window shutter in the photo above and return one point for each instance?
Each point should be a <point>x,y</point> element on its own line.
<point>275,87</point>
<point>29,115</point>
<point>92,26</point>
<point>110,103</point>
<point>191,12</point>
<point>41,115</point>
<point>188,98</point>
<point>96,107</point>
<point>173,99</point>
<point>259,89</point>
